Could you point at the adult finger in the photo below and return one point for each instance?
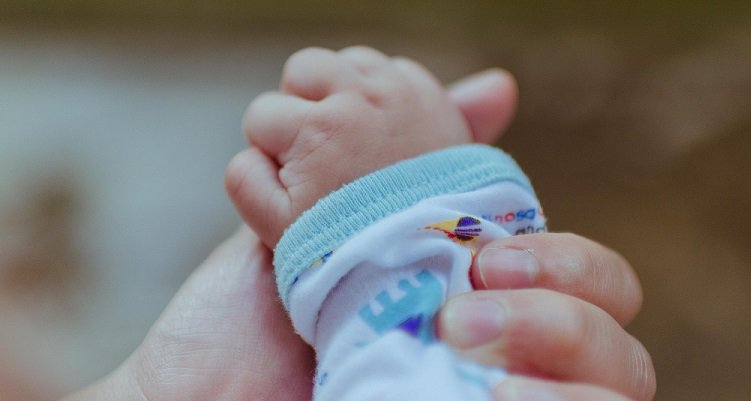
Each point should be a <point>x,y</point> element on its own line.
<point>517,388</point>
<point>547,334</point>
<point>563,262</point>
<point>488,101</point>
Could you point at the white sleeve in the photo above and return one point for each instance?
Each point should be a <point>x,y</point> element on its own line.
<point>368,305</point>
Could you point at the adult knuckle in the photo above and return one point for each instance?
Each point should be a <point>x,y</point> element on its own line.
<point>567,262</point>
<point>581,328</point>
<point>564,330</point>
<point>643,379</point>
<point>324,122</point>
<point>566,237</point>
<point>593,269</point>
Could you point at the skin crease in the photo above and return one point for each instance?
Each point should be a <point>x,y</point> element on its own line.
<point>224,336</point>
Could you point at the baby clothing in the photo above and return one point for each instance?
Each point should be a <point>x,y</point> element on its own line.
<point>364,272</point>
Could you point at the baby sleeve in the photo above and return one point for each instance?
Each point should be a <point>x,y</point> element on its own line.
<point>363,273</point>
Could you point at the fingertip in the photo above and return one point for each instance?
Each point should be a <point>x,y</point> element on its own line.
<point>488,101</point>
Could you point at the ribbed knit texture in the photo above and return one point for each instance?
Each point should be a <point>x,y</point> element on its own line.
<point>345,212</point>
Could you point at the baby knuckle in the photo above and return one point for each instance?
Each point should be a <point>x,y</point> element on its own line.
<point>303,57</point>
<point>408,63</point>
<point>255,112</point>
<point>234,175</point>
<point>363,51</point>
<point>375,96</point>
<point>324,121</point>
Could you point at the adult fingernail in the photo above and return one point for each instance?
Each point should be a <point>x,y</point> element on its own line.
<point>502,268</point>
<point>468,322</point>
<point>510,390</point>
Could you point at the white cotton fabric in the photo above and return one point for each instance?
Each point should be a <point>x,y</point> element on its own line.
<point>368,307</point>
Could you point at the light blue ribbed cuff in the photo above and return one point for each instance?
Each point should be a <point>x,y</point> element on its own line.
<point>345,212</point>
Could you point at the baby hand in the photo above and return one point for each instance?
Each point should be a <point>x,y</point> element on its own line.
<point>338,116</point>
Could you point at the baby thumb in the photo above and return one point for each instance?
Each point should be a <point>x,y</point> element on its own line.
<point>253,185</point>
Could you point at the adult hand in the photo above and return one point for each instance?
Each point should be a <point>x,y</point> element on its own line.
<point>563,322</point>
<point>559,320</point>
<point>225,336</point>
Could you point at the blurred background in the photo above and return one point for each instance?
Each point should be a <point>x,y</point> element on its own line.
<point>117,118</point>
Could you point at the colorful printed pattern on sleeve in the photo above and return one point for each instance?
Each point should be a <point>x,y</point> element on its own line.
<point>369,306</point>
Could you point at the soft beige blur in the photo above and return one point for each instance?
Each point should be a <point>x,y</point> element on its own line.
<point>117,122</point>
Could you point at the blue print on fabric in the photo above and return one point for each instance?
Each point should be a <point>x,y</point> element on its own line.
<point>412,313</point>
<point>323,379</point>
